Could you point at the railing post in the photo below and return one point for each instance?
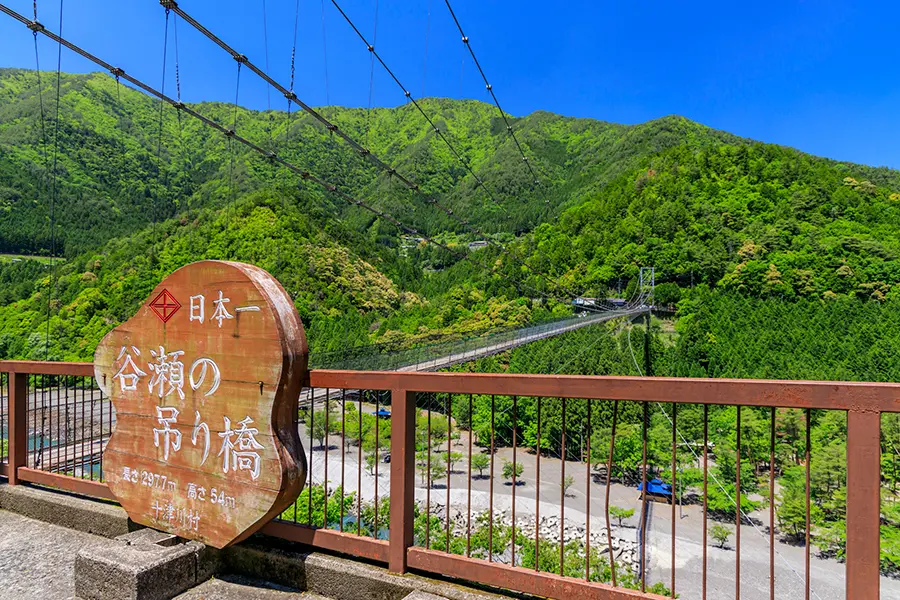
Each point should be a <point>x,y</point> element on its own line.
<point>863,504</point>
<point>403,470</point>
<point>18,425</point>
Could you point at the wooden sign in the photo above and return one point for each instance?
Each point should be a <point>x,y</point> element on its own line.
<point>205,381</point>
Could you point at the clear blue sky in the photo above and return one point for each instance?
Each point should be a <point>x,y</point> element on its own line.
<point>819,75</point>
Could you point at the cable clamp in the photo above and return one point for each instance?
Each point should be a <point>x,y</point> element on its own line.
<point>305,174</point>
<point>178,104</point>
<point>406,93</point>
<point>332,188</point>
<point>465,39</point>
<point>371,48</point>
<point>240,58</point>
<point>229,133</point>
<point>271,155</point>
<point>363,151</point>
<point>35,26</point>
<point>290,95</point>
<point>489,87</point>
<point>117,72</point>
<point>332,127</point>
<point>168,4</point>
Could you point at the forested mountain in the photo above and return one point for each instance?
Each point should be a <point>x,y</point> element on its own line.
<point>137,199</point>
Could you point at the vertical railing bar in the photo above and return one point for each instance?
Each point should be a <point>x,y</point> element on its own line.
<point>311,423</point>
<point>737,529</point>
<point>674,486</point>
<point>587,501</point>
<point>469,490</point>
<point>99,442</point>
<point>863,504</point>
<point>34,429</point>
<point>3,413</point>
<point>428,478</point>
<point>377,444</point>
<point>562,492</point>
<point>402,485</point>
<point>17,428</point>
<point>643,523</point>
<point>772,503</point>
<point>491,489</point>
<point>705,491</point>
<point>808,491</point>
<point>447,506</point>
<point>83,455</point>
<point>612,445</point>
<point>101,435</point>
<point>359,467</point>
<point>343,452</point>
<point>297,426</point>
<point>325,464</point>
<point>515,468</point>
<point>537,490</point>
<point>65,432</point>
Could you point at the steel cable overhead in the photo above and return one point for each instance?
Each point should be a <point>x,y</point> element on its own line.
<point>274,157</point>
<point>479,183</point>
<point>54,198</point>
<point>359,148</point>
<point>490,89</point>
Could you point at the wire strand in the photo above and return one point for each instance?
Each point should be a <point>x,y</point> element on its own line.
<point>54,198</point>
<point>490,89</point>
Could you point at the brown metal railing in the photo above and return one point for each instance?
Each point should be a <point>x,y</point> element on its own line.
<point>59,399</point>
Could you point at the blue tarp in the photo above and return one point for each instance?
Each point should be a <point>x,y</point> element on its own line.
<point>656,486</point>
<point>382,413</point>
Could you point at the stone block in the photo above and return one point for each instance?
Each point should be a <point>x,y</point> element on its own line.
<point>135,567</point>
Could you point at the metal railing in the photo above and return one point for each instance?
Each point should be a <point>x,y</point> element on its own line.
<point>392,461</point>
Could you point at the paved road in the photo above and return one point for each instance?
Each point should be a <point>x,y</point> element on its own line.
<point>827,575</point>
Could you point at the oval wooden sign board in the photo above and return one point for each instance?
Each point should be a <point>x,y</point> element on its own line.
<point>205,381</point>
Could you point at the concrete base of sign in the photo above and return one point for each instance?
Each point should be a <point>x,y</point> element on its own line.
<point>66,510</point>
<point>142,565</point>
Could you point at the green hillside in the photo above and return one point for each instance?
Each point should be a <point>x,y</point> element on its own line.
<point>134,202</point>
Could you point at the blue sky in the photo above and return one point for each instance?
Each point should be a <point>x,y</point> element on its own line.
<point>819,75</point>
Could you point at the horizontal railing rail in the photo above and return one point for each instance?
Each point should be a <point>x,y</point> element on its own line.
<point>54,433</point>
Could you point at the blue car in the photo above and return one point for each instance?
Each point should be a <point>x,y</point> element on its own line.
<point>658,489</point>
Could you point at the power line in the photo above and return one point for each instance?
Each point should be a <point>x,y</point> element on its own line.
<point>359,148</point>
<point>490,89</point>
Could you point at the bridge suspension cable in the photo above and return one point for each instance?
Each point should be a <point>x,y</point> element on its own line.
<point>490,89</point>
<point>359,148</point>
<point>479,182</point>
<point>270,155</point>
